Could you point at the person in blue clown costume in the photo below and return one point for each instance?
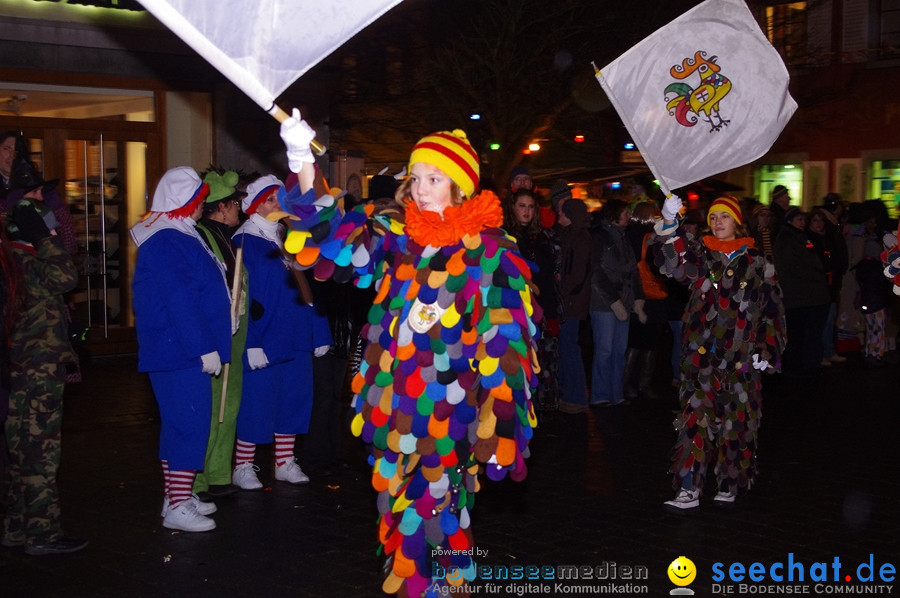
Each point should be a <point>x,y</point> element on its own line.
<point>283,333</point>
<point>444,390</point>
<point>183,320</point>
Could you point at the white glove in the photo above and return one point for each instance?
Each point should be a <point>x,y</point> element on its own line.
<point>618,308</point>
<point>257,359</point>
<point>212,364</point>
<point>759,365</point>
<point>320,351</point>
<point>671,207</point>
<point>639,311</point>
<point>297,136</point>
<point>889,240</point>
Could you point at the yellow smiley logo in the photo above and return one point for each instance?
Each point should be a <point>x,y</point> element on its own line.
<point>682,571</point>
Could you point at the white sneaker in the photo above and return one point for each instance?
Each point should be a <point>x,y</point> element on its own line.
<point>724,497</point>
<point>291,473</point>
<point>204,508</point>
<point>685,499</point>
<point>186,518</point>
<point>244,477</point>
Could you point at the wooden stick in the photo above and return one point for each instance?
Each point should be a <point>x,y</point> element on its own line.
<point>235,313</point>
<point>225,369</point>
<point>281,116</point>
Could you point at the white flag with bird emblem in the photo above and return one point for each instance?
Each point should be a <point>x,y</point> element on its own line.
<point>704,94</point>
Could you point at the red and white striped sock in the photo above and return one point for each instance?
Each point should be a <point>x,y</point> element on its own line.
<point>180,484</point>
<point>284,448</point>
<point>165,468</point>
<point>244,452</point>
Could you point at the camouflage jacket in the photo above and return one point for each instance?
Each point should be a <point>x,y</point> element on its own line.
<point>41,333</point>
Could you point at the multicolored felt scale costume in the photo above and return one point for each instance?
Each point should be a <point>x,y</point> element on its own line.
<point>444,389</point>
<point>733,320</point>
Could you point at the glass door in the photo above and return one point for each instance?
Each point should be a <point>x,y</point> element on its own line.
<point>96,189</point>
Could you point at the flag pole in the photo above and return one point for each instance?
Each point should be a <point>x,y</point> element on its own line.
<point>235,312</point>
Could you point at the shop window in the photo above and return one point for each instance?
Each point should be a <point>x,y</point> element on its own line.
<point>770,176</point>
<point>885,185</point>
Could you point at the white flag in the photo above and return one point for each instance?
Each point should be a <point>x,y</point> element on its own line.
<point>704,94</point>
<point>262,46</point>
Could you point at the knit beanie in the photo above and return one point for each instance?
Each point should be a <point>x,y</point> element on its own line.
<point>258,190</point>
<point>221,186</point>
<point>558,192</point>
<point>177,188</point>
<point>517,170</point>
<point>453,154</point>
<point>728,204</point>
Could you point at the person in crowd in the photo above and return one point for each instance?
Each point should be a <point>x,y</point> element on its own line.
<point>382,186</point>
<point>762,230</point>
<point>644,337</point>
<point>829,244</point>
<point>284,333</point>
<point>616,293</point>
<point>733,331</point>
<point>804,284</point>
<point>445,386</point>
<point>575,266</point>
<point>779,205</point>
<point>221,217</point>
<point>539,246</point>
<point>7,154</point>
<point>182,309</point>
<point>678,294</point>
<point>874,288</point>
<point>39,350</point>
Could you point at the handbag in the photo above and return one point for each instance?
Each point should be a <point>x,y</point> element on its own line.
<point>653,283</point>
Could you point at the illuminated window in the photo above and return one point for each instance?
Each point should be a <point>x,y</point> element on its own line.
<point>786,27</point>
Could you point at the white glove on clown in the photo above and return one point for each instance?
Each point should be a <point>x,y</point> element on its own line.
<point>671,207</point>
<point>212,364</point>
<point>297,136</point>
<point>256,358</point>
<point>759,365</point>
<point>320,351</point>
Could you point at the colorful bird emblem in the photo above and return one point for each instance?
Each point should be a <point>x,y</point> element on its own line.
<point>689,104</point>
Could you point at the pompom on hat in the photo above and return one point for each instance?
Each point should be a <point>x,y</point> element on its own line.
<point>258,189</point>
<point>221,186</point>
<point>178,188</point>
<point>728,204</point>
<point>453,154</point>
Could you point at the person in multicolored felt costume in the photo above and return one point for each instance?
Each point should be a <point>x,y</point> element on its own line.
<point>283,334</point>
<point>182,308</point>
<point>444,390</point>
<point>733,331</point>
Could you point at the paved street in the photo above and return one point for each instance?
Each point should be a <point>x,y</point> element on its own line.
<point>828,490</point>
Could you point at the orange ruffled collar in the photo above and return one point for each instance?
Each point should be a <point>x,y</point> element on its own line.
<point>469,218</point>
<point>728,246</point>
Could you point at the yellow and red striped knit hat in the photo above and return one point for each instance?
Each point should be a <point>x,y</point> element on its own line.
<point>453,154</point>
<point>729,205</point>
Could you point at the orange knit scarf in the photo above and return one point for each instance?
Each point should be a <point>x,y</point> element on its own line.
<point>469,218</point>
<point>728,246</point>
